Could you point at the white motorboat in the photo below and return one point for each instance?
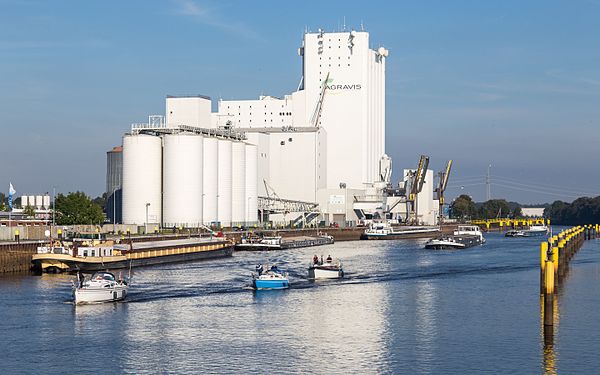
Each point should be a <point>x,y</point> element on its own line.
<point>532,231</point>
<point>101,287</point>
<point>329,269</point>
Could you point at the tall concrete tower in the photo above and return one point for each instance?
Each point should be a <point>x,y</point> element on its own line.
<point>352,113</point>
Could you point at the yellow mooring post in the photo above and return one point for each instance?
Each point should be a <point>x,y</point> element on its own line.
<point>549,294</point>
<point>543,255</point>
<point>555,264</point>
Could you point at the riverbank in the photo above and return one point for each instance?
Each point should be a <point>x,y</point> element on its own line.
<point>16,257</point>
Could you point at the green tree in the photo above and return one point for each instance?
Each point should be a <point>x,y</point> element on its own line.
<point>3,202</point>
<point>77,208</point>
<point>581,211</point>
<point>494,208</point>
<point>463,207</point>
<point>29,211</point>
<point>101,201</point>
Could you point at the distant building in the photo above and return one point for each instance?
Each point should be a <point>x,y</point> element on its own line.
<point>532,211</point>
<point>114,181</point>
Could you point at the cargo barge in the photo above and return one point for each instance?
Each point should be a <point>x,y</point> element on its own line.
<point>385,231</point>
<point>279,243</point>
<point>102,256</point>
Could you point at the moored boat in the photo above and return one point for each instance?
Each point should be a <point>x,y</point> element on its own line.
<point>330,269</point>
<point>92,256</point>
<point>273,278</point>
<point>101,287</point>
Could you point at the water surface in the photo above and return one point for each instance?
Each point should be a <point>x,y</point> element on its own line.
<point>400,309</point>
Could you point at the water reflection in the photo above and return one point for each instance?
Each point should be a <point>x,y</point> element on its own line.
<point>549,328</point>
<point>425,327</point>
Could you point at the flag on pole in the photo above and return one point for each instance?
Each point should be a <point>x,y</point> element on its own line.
<point>11,192</point>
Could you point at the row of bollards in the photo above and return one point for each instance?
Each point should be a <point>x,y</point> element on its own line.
<point>555,255</point>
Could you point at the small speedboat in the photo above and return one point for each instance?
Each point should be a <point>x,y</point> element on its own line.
<point>100,287</point>
<point>273,278</point>
<point>329,269</point>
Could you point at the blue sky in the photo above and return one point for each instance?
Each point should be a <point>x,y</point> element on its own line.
<point>514,84</point>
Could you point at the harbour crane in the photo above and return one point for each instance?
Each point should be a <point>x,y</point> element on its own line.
<point>416,180</point>
<point>443,182</point>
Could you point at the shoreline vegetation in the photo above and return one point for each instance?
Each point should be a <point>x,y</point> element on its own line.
<point>581,211</point>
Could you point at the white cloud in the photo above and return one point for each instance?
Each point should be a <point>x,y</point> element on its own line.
<point>210,17</point>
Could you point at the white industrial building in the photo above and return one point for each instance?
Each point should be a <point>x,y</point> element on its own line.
<point>320,144</point>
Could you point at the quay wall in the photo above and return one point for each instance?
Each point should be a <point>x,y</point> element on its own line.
<point>16,257</point>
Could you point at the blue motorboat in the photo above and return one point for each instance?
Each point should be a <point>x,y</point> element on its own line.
<point>273,278</point>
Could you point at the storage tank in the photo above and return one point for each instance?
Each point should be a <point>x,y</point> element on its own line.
<point>182,180</point>
<point>209,180</point>
<point>238,183</point>
<point>46,202</point>
<point>251,184</point>
<point>39,201</point>
<point>142,159</point>
<point>24,201</point>
<point>31,201</point>
<point>224,183</point>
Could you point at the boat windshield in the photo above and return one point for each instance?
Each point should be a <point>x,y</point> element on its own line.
<point>103,276</point>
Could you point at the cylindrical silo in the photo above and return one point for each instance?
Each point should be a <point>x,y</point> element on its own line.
<point>142,158</point>
<point>39,201</point>
<point>24,201</point>
<point>31,201</point>
<point>238,183</point>
<point>209,180</point>
<point>224,183</point>
<point>251,184</point>
<point>46,201</point>
<point>182,180</point>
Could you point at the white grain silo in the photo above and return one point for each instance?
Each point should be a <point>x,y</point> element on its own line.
<point>39,201</point>
<point>46,201</point>
<point>209,180</point>
<point>142,160</point>
<point>224,183</point>
<point>182,180</point>
<point>24,201</point>
<point>251,184</point>
<point>238,183</point>
<point>31,201</point>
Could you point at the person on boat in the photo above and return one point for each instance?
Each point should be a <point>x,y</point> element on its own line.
<point>321,259</point>
<point>315,259</point>
<point>80,278</point>
<point>329,260</point>
<point>259,269</point>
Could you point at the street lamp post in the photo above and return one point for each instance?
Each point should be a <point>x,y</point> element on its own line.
<point>146,223</point>
<point>343,186</point>
<point>114,196</point>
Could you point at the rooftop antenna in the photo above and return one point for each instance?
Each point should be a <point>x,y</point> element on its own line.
<point>344,23</point>
<point>362,27</point>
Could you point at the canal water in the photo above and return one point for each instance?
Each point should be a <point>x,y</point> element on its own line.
<point>400,310</point>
